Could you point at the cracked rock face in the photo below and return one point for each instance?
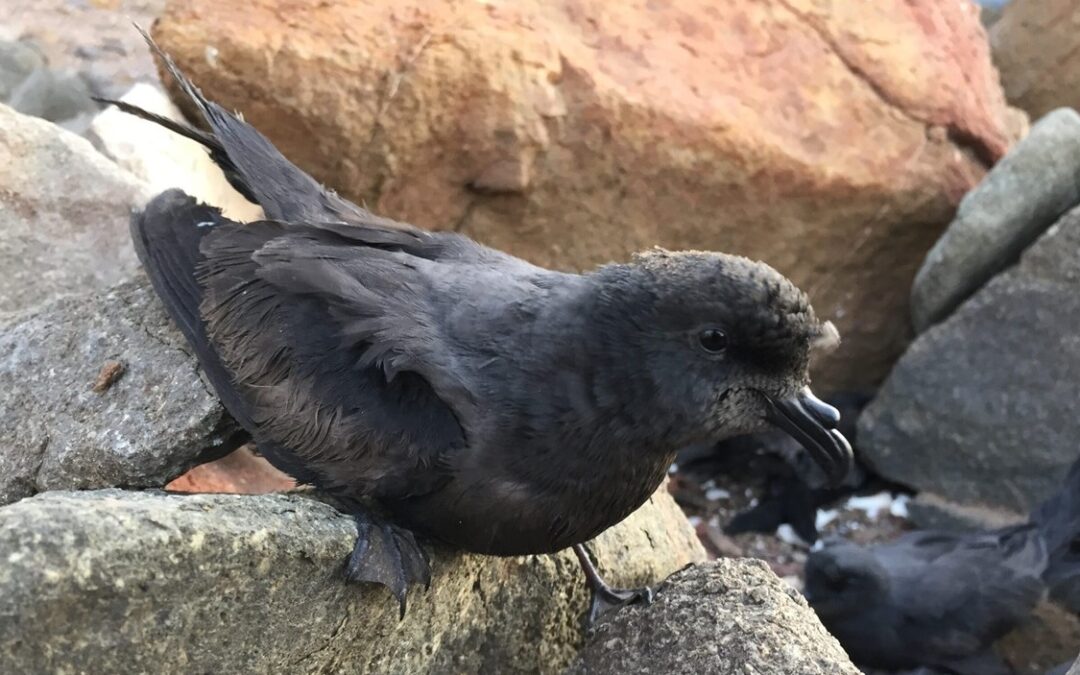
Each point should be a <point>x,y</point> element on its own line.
<point>64,211</point>
<point>98,390</point>
<point>116,581</point>
<point>725,617</point>
<point>832,140</point>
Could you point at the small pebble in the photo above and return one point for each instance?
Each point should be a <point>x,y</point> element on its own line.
<point>110,372</point>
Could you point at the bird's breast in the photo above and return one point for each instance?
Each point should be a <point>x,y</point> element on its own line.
<point>539,503</point>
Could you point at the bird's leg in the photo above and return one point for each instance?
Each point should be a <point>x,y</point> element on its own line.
<point>388,555</point>
<point>604,597</point>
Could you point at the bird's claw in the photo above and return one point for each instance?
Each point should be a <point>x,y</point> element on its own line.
<point>606,599</point>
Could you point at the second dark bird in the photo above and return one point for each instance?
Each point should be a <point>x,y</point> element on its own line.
<point>442,388</point>
<point>941,599</point>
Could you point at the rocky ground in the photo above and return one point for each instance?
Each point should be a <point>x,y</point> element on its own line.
<point>711,503</point>
<point>569,138</point>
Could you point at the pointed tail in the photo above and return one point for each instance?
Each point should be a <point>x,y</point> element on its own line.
<point>251,162</point>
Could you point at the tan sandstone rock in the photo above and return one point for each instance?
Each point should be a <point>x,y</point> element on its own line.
<point>832,140</point>
<point>1035,44</point>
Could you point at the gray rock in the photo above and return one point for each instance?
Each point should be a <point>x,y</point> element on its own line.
<point>725,617</point>
<point>53,96</point>
<point>983,408</point>
<point>122,582</point>
<point>57,432</point>
<point>1025,193</point>
<point>64,210</point>
<point>18,60</point>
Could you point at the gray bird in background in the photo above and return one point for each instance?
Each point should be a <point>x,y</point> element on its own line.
<point>442,388</point>
<point>940,600</point>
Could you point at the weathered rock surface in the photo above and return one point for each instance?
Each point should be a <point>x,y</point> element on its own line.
<point>123,582</point>
<point>1025,193</point>
<point>64,210</point>
<point>145,428</point>
<point>981,410</point>
<point>163,159</point>
<point>728,616</point>
<point>832,140</point>
<point>1034,45</point>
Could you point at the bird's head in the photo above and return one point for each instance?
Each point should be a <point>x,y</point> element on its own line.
<point>842,578</point>
<point>726,343</point>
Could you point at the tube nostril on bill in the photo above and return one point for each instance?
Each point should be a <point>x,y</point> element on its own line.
<point>822,411</point>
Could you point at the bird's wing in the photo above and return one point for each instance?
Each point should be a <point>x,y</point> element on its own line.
<point>322,342</point>
<point>965,590</point>
<point>335,340</point>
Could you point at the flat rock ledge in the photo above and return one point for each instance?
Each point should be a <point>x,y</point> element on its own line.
<point>121,582</point>
<point>729,616</point>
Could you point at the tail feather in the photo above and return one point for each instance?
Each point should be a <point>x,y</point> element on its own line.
<point>253,165</point>
<point>217,151</point>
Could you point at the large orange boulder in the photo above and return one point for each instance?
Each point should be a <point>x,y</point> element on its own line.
<point>832,140</point>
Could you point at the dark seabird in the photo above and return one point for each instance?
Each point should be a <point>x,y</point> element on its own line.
<point>941,599</point>
<point>441,388</point>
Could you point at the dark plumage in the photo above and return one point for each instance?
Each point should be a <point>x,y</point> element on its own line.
<point>441,387</point>
<point>941,599</point>
<point>929,598</point>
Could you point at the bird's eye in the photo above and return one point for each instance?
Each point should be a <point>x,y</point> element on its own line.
<point>713,340</point>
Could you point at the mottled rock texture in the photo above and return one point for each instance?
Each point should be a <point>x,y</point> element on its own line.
<point>726,617</point>
<point>123,582</point>
<point>99,390</point>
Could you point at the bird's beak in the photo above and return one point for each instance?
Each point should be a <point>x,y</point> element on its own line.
<point>812,422</point>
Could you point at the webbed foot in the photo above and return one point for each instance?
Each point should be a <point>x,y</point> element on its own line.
<point>388,555</point>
